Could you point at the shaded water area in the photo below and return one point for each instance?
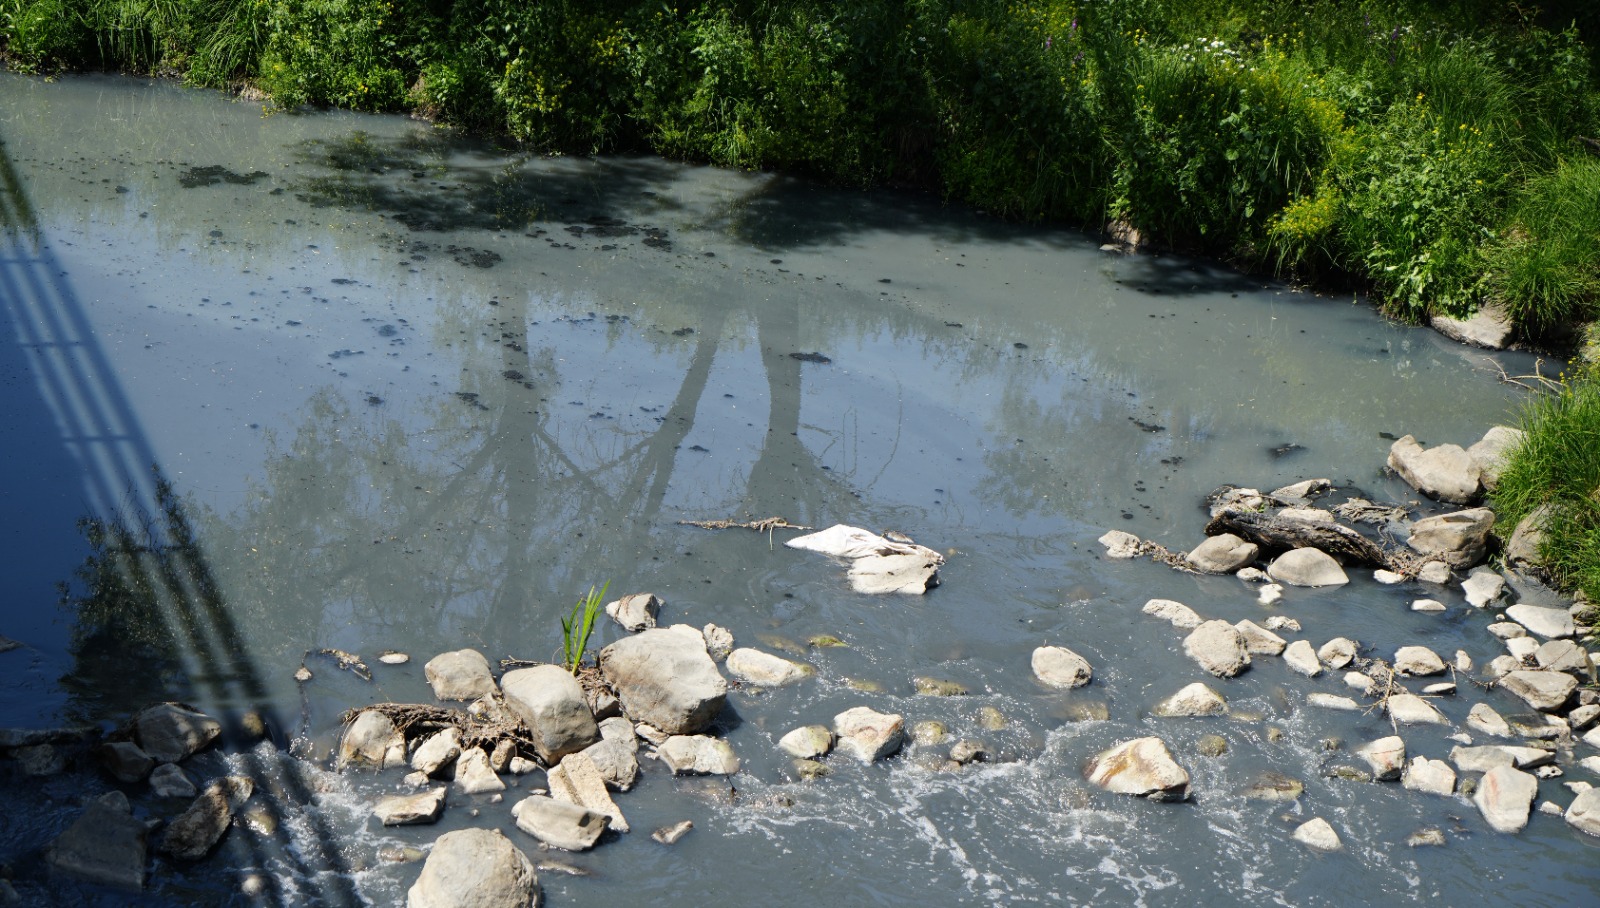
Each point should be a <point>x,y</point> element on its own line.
<point>277,384</point>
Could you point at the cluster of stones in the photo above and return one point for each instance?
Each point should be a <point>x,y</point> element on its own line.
<point>107,843</point>
<point>1544,667</point>
<point>662,692</point>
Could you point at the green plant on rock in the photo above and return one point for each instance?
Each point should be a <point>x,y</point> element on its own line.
<point>578,625</point>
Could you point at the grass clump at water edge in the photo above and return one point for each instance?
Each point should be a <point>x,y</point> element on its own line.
<point>1558,466</point>
<point>578,625</point>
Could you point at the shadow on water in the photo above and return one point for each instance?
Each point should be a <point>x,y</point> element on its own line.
<point>149,577</point>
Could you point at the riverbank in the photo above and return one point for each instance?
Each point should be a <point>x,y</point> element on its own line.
<point>1440,156</point>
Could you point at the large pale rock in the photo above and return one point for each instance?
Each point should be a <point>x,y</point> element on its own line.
<point>753,666</point>
<point>1459,539</point>
<point>1175,613</point>
<point>474,775</point>
<point>616,759</point>
<point>1418,660</point>
<point>1338,652</point>
<point>854,543</point>
<point>700,755</point>
<point>1121,545</point>
<point>1564,656</point>
<point>578,780</point>
<point>1302,658</point>
<point>1481,758</point>
<point>171,732</point>
<point>1445,472</point>
<point>105,845</point>
<point>867,734</point>
<point>1522,648</point>
<point>1307,567</point>
<point>1584,814</point>
<point>1545,691</point>
<point>1222,554</point>
<point>460,675</point>
<point>1318,835</point>
<point>807,742</point>
<point>1546,622</point>
<point>911,575</point>
<point>665,677</point>
<point>1142,767</point>
<point>1195,700</point>
<point>170,781</point>
<point>1259,640</point>
<point>1410,709</point>
<point>1332,701</point>
<point>1505,796</point>
<point>559,824</point>
<point>411,810</point>
<point>1482,587</point>
<point>1386,756</point>
<point>437,751</point>
<point>636,612</point>
<point>125,761</point>
<point>1482,718</point>
<point>475,868</point>
<point>1218,648</point>
<point>1431,776</point>
<point>372,739</point>
<point>1491,452</point>
<point>1528,537</point>
<point>1489,327</point>
<point>550,701</point>
<point>198,829</point>
<point>1060,667</point>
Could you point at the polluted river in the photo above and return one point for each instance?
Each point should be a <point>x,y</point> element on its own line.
<point>285,391</point>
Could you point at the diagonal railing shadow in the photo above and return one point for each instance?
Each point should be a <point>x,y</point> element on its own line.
<point>158,552</point>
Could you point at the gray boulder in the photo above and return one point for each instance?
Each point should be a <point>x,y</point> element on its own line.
<point>617,760</point>
<point>1445,472</point>
<point>372,739</point>
<point>125,761</point>
<point>475,868</point>
<point>411,810</point>
<point>1489,327</point>
<point>808,742</point>
<point>437,752</point>
<point>1194,700</point>
<point>1528,537</point>
<point>1318,835</point>
<point>460,675</point>
<point>1564,656</point>
<point>171,732</point>
<point>907,574</point>
<point>665,678</point>
<point>197,830</point>
<point>1491,452</point>
<point>1307,567</point>
<point>1545,691</point>
<point>1338,652</point>
<point>1459,539</point>
<point>764,669</point>
<point>1418,660</point>
<point>1060,667</point>
<point>550,701</point>
<point>170,781</point>
<point>1482,718</point>
<point>105,845</point>
<point>579,781</point>
<point>1410,709</point>
<point>1222,554</point>
<point>1175,613</point>
<point>1142,767</point>
<point>1302,658</point>
<point>699,755</point>
<point>1386,756</point>
<point>1584,813</point>
<point>1218,648</point>
<point>1258,640</point>
<point>559,824</point>
<point>1482,587</point>
<point>636,612</point>
<point>867,734</point>
<point>1505,797</point>
<point>1546,622</point>
<point>474,775</point>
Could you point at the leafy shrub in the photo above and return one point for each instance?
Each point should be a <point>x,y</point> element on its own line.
<point>42,35</point>
<point>1545,268</point>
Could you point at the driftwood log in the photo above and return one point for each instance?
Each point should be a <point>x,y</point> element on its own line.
<point>1345,545</point>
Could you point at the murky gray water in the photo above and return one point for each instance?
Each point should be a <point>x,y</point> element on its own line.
<point>406,393</point>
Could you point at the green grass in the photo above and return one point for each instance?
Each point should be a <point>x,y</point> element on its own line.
<point>577,626</point>
<point>1430,149</point>
<point>1558,464</point>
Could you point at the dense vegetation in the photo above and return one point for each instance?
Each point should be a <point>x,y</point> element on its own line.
<point>1442,153</point>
